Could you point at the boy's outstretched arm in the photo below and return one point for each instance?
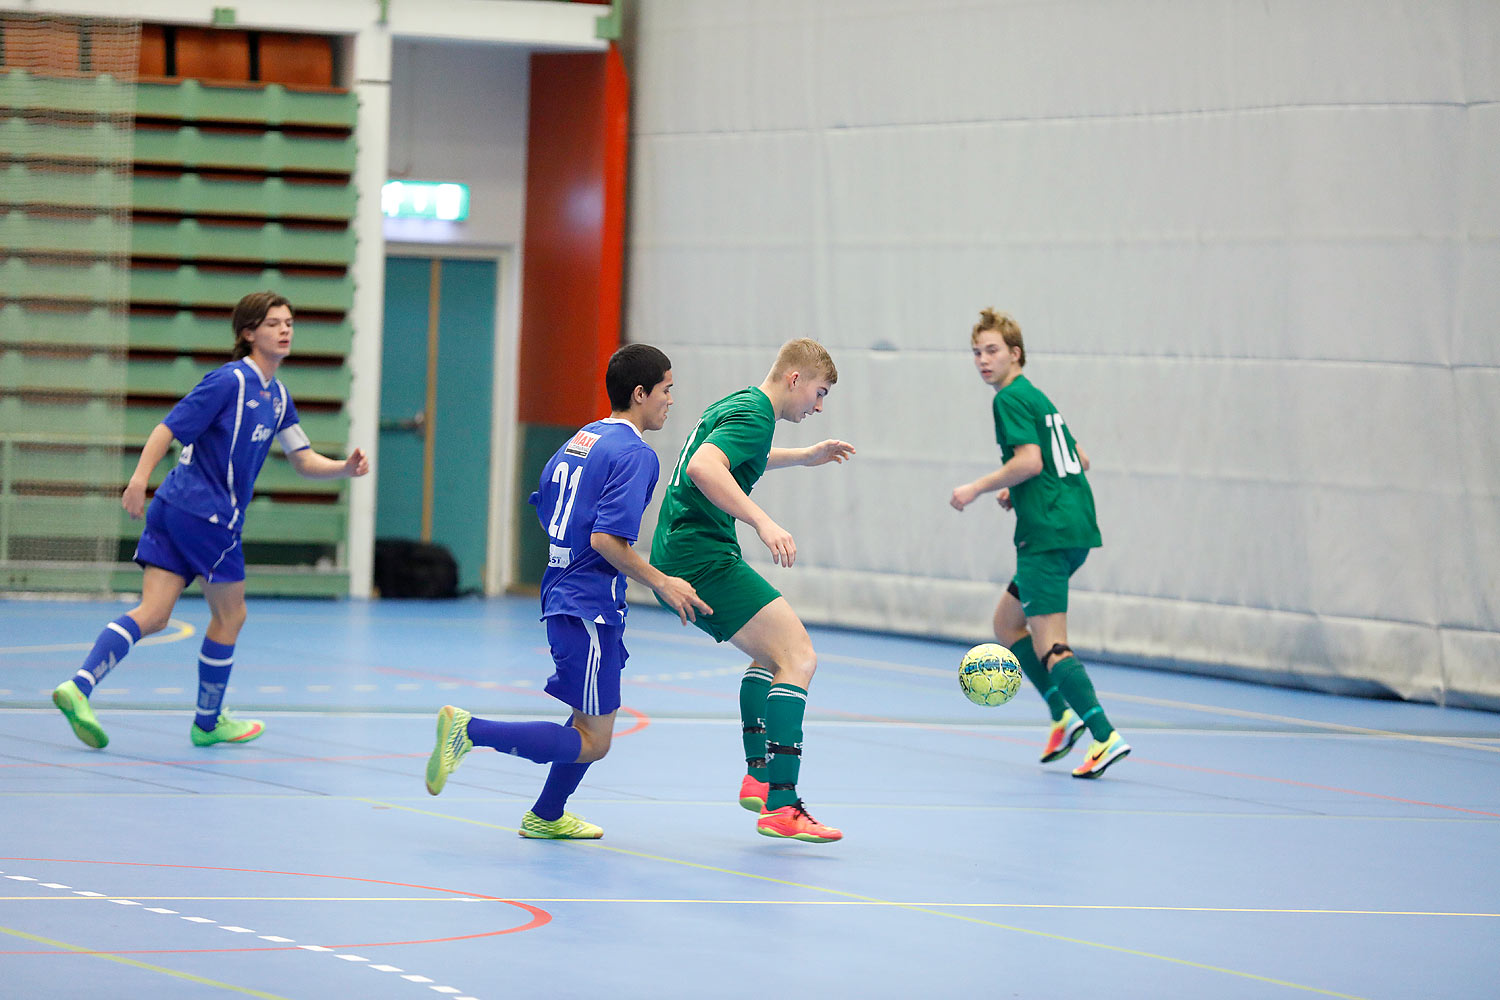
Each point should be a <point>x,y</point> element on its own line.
<point>821,453</point>
<point>674,591</point>
<point>709,471</point>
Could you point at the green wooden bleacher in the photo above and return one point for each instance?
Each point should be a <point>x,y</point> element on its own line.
<point>274,197</point>
<point>236,189</point>
<point>273,105</point>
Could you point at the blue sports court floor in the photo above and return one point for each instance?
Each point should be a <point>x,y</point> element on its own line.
<point>1258,842</point>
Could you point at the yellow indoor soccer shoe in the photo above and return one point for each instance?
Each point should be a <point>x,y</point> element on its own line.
<point>1101,755</point>
<point>453,744</point>
<point>565,827</point>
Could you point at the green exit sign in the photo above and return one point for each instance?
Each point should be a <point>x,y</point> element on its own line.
<point>425,200</point>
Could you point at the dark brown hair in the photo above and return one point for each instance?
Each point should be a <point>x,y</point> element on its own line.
<point>249,313</point>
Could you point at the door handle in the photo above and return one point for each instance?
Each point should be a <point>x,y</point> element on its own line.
<point>416,423</point>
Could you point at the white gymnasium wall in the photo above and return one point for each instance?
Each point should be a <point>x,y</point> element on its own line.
<point>459,113</point>
<point>1255,250</point>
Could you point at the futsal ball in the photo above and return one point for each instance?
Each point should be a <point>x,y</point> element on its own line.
<point>990,674</point>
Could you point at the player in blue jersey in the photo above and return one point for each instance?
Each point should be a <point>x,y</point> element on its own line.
<point>193,523</point>
<point>592,494</point>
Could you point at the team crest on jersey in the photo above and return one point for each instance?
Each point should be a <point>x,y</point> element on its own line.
<point>582,442</point>
<point>276,407</point>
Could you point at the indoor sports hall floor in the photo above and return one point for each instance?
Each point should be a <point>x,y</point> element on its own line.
<point>1258,842</point>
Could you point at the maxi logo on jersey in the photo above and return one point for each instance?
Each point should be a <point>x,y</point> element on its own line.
<point>582,443</point>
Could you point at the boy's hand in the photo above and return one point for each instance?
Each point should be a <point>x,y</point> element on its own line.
<point>680,596</point>
<point>134,499</point>
<point>356,464</point>
<point>831,450</point>
<point>779,541</point>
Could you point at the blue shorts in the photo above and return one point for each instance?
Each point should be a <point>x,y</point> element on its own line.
<point>589,659</point>
<point>189,546</point>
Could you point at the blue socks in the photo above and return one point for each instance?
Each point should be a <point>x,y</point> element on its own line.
<point>543,742</point>
<point>114,642</point>
<point>562,781</point>
<point>215,660</point>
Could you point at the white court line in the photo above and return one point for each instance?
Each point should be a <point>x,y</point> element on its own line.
<point>232,928</point>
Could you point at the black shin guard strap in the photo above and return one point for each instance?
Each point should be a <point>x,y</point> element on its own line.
<point>1057,650</point>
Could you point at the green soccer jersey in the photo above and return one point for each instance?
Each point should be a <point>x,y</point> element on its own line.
<point>691,531</point>
<point>1054,509</point>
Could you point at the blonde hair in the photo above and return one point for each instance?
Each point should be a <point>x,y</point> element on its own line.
<point>991,321</point>
<point>806,356</point>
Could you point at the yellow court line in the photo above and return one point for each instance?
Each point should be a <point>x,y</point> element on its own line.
<point>914,907</point>
<point>183,631</point>
<point>1111,907</point>
<point>141,965</point>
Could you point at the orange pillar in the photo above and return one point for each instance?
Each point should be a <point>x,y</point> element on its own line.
<point>573,248</point>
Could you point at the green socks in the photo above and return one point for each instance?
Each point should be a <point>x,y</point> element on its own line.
<point>1073,681</point>
<point>754,687</point>
<point>1037,675</point>
<point>785,706</point>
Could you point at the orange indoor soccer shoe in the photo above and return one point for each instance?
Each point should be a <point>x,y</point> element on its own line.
<point>793,823</point>
<point>753,793</point>
<point>1064,734</point>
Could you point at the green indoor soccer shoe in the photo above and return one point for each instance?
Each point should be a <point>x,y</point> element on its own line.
<point>452,745</point>
<point>80,715</point>
<point>228,730</point>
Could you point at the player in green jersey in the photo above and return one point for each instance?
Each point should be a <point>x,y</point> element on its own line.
<point>1043,480</point>
<point>727,451</point>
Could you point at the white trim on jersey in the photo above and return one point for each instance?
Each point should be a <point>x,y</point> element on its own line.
<point>265,380</point>
<point>239,414</point>
<point>627,423</point>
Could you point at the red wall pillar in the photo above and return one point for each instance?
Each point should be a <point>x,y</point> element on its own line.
<point>573,248</point>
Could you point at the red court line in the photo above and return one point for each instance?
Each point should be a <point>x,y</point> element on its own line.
<point>1308,784</point>
<point>539,917</point>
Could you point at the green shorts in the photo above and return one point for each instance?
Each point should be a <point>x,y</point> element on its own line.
<point>1042,579</point>
<point>734,590</point>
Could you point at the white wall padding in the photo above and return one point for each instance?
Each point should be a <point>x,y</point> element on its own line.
<point>1254,248</point>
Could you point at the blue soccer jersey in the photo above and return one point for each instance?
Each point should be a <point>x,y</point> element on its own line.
<point>601,480</point>
<point>226,424</point>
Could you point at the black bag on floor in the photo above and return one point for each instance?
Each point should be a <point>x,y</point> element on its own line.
<point>404,568</point>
